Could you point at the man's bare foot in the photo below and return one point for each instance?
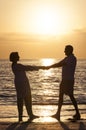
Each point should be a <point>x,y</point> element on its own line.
<point>76,116</point>
<point>57,116</point>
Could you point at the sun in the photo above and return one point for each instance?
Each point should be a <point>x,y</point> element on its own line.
<point>45,19</point>
<point>45,22</point>
<point>50,21</point>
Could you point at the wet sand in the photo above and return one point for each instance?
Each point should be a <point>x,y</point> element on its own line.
<point>79,125</point>
<point>46,122</point>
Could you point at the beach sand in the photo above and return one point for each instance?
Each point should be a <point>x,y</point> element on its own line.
<point>46,122</point>
<point>79,125</point>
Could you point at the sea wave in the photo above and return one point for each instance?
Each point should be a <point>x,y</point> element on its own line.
<point>44,83</point>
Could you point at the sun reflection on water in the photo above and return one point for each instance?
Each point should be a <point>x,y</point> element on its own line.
<point>45,119</point>
<point>47,61</point>
<point>45,113</point>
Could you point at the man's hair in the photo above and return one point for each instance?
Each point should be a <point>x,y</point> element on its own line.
<point>69,48</point>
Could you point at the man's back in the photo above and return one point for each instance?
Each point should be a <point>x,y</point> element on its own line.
<point>68,68</point>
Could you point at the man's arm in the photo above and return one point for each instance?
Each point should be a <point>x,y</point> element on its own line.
<point>59,64</point>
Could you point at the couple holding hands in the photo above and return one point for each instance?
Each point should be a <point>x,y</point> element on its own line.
<point>22,85</point>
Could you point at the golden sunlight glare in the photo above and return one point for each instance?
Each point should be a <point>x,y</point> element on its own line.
<point>50,21</point>
<point>47,61</point>
<point>46,20</point>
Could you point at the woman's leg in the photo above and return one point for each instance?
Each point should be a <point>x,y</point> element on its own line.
<point>20,107</point>
<point>28,104</point>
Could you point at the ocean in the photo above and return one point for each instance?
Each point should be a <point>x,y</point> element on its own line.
<point>44,84</point>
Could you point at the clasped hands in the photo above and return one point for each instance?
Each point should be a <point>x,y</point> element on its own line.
<point>44,67</point>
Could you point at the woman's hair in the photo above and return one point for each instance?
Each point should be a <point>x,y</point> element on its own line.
<point>14,56</point>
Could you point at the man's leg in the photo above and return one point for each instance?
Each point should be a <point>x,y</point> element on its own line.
<point>60,102</point>
<point>77,115</point>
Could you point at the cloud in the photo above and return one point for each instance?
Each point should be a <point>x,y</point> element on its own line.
<point>16,37</point>
<point>46,46</point>
<point>83,30</point>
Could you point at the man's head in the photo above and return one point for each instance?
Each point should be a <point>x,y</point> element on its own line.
<point>68,50</point>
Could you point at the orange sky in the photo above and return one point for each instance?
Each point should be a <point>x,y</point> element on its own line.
<point>42,28</point>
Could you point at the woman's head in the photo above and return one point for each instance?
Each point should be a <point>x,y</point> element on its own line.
<point>14,57</point>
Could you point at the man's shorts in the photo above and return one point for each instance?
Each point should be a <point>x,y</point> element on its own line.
<point>67,87</point>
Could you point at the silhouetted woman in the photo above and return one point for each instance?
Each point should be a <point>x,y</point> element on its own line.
<point>22,85</point>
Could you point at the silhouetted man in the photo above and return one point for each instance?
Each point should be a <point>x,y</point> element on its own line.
<point>68,65</point>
